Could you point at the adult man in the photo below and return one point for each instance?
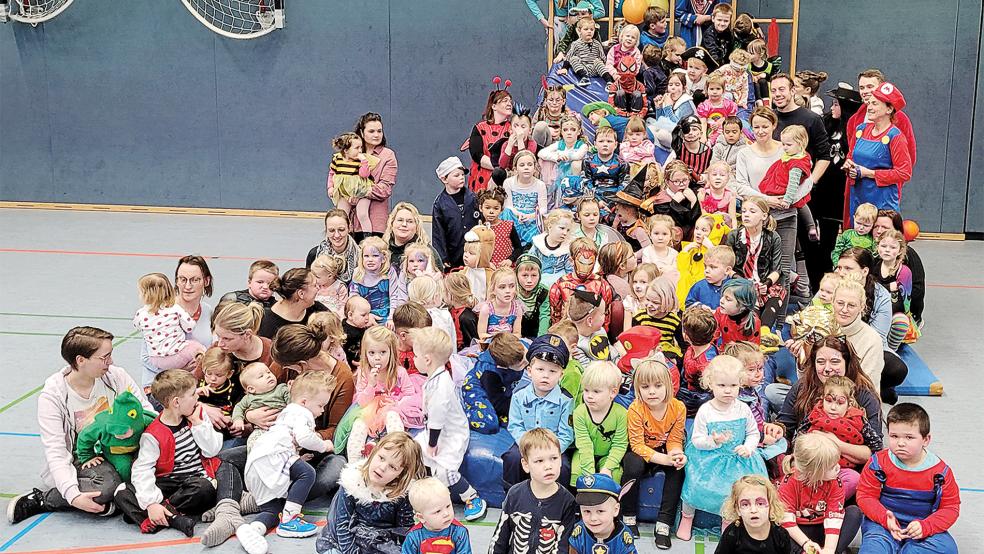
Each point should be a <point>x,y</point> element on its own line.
<point>867,81</point>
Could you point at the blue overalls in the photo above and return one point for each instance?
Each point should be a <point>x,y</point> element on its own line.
<point>908,506</point>
<point>874,154</point>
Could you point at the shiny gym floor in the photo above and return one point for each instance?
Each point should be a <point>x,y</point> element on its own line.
<point>59,269</point>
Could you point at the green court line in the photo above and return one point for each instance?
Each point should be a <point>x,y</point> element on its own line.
<point>61,316</point>
<point>32,392</point>
<point>7,495</point>
<point>32,334</point>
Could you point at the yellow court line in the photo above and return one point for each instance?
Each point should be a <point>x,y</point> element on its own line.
<point>173,210</point>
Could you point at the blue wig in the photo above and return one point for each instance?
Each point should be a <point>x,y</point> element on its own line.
<point>744,292</point>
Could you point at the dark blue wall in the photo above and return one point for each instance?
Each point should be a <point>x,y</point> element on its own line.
<point>146,106</point>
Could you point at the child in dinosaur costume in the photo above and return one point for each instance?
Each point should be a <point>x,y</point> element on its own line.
<point>115,434</point>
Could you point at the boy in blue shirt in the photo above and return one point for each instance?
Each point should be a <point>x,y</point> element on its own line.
<point>598,497</point>
<point>718,268</point>
<point>436,530</point>
<point>455,211</point>
<point>541,404</point>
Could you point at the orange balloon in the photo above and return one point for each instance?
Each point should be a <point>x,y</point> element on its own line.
<point>910,230</point>
<point>634,10</point>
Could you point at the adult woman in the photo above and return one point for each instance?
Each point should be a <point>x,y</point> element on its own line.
<point>886,221</point>
<point>676,105</point>
<point>616,260</point>
<point>493,126</point>
<point>70,400</point>
<point>751,166</point>
<point>403,227</point>
<point>370,130</point>
<point>879,164</point>
<point>192,280</point>
<point>296,349</point>
<point>828,357</point>
<point>297,289</point>
<point>827,200</point>
<point>337,242</point>
<point>236,326</point>
<point>878,308</point>
<point>884,368</point>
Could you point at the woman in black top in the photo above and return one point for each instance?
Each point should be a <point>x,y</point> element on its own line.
<point>298,289</point>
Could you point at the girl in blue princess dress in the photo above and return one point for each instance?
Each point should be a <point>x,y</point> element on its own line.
<point>722,446</point>
<point>375,280</point>
<point>526,197</point>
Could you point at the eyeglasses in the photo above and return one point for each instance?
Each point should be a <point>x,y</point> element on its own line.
<point>186,280</point>
<point>104,359</point>
<point>760,502</point>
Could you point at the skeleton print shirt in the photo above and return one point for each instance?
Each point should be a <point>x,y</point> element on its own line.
<point>531,525</point>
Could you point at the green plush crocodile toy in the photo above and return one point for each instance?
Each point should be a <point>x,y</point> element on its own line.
<point>115,434</point>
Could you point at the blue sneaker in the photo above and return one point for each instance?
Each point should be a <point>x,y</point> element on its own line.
<point>296,528</point>
<point>475,509</point>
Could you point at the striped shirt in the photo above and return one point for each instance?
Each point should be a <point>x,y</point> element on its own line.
<point>697,162</point>
<point>341,166</point>
<point>187,454</point>
<point>669,327</point>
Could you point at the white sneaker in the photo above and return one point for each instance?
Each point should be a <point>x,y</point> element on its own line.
<point>251,537</point>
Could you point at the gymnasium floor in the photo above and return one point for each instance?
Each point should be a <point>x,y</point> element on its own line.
<point>59,269</point>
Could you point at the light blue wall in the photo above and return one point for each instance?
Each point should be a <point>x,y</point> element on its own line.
<point>146,106</point>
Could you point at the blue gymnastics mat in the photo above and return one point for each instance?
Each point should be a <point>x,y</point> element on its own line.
<point>921,380</point>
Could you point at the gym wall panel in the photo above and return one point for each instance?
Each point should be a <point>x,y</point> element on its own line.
<point>283,97</point>
<point>25,136</point>
<point>975,193</point>
<point>444,59</point>
<point>131,106</point>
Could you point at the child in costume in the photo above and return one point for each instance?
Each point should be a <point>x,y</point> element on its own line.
<point>526,197</point>
<point>584,254</point>
<point>677,200</point>
<point>332,291</point>
<point>461,304</point>
<point>624,60</point>
<point>837,412</point>
<point>639,281</point>
<point>538,514</point>
<point>533,295</point>
<point>815,517</point>
<point>567,155</point>
<point>908,495</point>
<point>716,197</point>
<point>699,328</point>
<point>722,446</point>
<point>587,310</point>
<point>376,280</point>
<point>444,439</point>
<point>662,311</point>
<point>694,17</point>
<point>716,108</point>
<point>736,316</point>
<point>605,174</point>
<point>430,295</point>
<point>502,312</point>
<point>858,236</point>
<point>279,479</point>
<point>548,117</point>
<point>570,380</point>
<point>455,211</point>
<point>418,261</point>
<point>896,277</point>
<point>752,392</point>
<point>348,176</point>
<point>216,388</point>
<point>599,529</point>
<point>786,176</point>
<point>371,511</point>
<point>113,436</point>
<point>690,261</point>
<point>600,429</point>
<point>588,218</point>
<point>488,386</point>
<point>629,220</point>
<point>586,55</point>
<point>478,262</point>
<point>165,325</point>
<point>383,390</point>
<point>552,247</point>
<point>734,70</point>
<point>656,424</point>
<point>659,251</point>
<point>636,150</point>
<point>436,531</point>
<point>507,245</point>
<point>758,256</point>
<point>755,511</point>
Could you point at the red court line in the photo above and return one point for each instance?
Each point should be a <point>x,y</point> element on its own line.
<point>125,547</point>
<point>134,254</point>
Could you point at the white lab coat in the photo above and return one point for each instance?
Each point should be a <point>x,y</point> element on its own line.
<point>443,410</point>
<point>267,473</point>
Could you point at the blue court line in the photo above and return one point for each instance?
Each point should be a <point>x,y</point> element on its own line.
<point>23,532</point>
<point>7,434</point>
<point>971,490</point>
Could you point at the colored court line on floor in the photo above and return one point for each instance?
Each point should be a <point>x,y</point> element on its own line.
<point>65,316</point>
<point>24,531</point>
<point>137,254</point>
<point>8,434</point>
<point>945,286</point>
<point>31,334</point>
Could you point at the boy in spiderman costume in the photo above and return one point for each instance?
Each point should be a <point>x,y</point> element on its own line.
<point>583,253</point>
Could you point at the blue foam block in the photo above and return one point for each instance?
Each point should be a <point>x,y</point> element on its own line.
<point>650,496</point>
<point>482,466</point>
<point>920,381</point>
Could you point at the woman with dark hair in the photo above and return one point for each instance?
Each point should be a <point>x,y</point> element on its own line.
<point>337,242</point>
<point>192,282</point>
<point>493,126</point>
<point>886,221</point>
<point>298,289</point>
<point>832,356</point>
<point>370,130</point>
<point>827,200</point>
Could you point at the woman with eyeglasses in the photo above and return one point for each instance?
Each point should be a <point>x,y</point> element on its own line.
<point>71,399</point>
<point>833,355</point>
<point>405,226</point>
<point>193,282</point>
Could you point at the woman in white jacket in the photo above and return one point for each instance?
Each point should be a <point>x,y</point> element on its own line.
<point>70,400</point>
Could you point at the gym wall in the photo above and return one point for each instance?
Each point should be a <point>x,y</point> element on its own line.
<point>138,103</point>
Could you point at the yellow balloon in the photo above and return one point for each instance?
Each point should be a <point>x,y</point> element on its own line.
<point>634,10</point>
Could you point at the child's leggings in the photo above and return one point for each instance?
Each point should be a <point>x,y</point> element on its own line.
<point>634,467</point>
<point>849,530</point>
<point>187,496</point>
<point>899,329</point>
<point>875,539</point>
<point>301,480</point>
<point>360,435</point>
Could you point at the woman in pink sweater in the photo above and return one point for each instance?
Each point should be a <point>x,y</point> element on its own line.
<point>70,400</point>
